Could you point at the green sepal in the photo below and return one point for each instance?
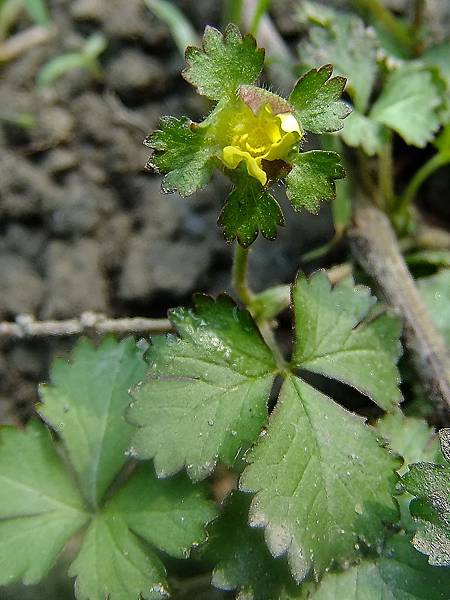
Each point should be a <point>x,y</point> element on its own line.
<point>224,62</point>
<point>316,100</point>
<point>250,208</point>
<point>312,178</point>
<point>183,153</point>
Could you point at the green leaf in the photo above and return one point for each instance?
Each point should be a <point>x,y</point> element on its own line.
<point>86,404</point>
<point>250,208</point>
<point>430,484</point>
<point>335,338</point>
<point>40,507</point>
<point>408,104</point>
<point>435,291</point>
<point>37,9</point>
<point>316,99</point>
<point>116,560</point>
<point>224,63</point>
<point>399,574</point>
<point>323,482</point>
<point>343,41</point>
<point>364,132</point>
<point>207,388</point>
<point>181,29</point>
<point>436,258</point>
<point>114,564</point>
<point>183,154</point>
<point>58,66</point>
<point>312,178</point>
<point>410,437</point>
<point>439,56</point>
<point>242,559</point>
<point>169,514</point>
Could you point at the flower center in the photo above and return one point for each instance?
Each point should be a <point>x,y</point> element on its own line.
<point>253,138</point>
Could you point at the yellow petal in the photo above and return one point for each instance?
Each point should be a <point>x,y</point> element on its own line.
<point>233,156</point>
<point>289,123</point>
<point>281,148</point>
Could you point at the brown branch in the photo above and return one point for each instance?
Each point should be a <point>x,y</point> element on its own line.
<point>26,327</point>
<point>375,246</point>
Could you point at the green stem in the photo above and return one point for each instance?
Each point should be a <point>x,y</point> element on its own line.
<point>386,175</point>
<point>384,16</point>
<point>245,294</point>
<point>261,8</point>
<point>233,12</point>
<point>418,17</point>
<point>240,270</point>
<point>433,164</point>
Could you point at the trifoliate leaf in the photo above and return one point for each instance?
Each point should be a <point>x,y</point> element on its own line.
<point>312,178</point>
<point>343,41</point>
<point>435,291</point>
<point>399,574</point>
<point>363,132</point>
<point>224,63</point>
<point>183,154</point>
<point>408,104</point>
<point>115,563</point>
<point>250,208</point>
<point>242,559</point>
<point>334,338</point>
<point>205,395</point>
<point>323,482</point>
<point>86,403</point>
<point>430,484</point>
<point>40,506</point>
<point>317,103</point>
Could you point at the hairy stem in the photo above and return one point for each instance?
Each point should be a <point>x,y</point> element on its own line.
<point>376,247</point>
<point>240,275</point>
<point>433,164</point>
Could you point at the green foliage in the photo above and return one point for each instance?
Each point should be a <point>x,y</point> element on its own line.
<point>86,58</point>
<point>408,105</point>
<point>336,338</point>
<point>181,150</point>
<point>343,41</point>
<point>312,179</point>
<point>240,554</point>
<point>89,417</point>
<point>399,573</point>
<point>364,132</point>
<point>224,62</point>
<point>181,29</point>
<point>209,388</point>
<point>316,99</point>
<point>435,291</point>
<point>250,208</point>
<point>430,485</point>
<point>42,505</point>
<point>322,480</point>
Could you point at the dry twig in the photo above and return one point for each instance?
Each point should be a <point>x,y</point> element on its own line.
<point>26,327</point>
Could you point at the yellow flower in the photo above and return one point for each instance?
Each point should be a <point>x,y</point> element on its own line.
<point>253,138</point>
